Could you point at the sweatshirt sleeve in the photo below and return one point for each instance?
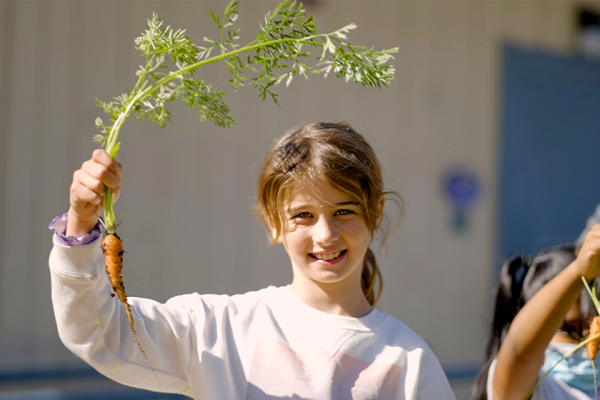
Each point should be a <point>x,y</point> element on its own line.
<point>433,383</point>
<point>59,226</point>
<point>94,325</point>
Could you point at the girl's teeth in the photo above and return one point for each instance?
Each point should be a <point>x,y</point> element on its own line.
<point>328,257</point>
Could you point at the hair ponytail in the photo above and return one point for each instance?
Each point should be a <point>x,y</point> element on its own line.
<point>370,276</point>
<point>508,300</point>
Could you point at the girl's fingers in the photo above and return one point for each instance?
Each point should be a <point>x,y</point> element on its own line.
<point>589,255</point>
<point>86,206</point>
<point>109,171</point>
<point>102,173</point>
<point>82,198</point>
<point>101,157</point>
<point>85,191</point>
<point>89,181</point>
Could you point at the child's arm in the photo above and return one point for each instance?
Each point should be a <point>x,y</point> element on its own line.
<point>522,352</point>
<point>95,327</point>
<point>92,323</point>
<point>87,191</point>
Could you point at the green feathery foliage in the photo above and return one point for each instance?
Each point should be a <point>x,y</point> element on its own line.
<point>285,44</point>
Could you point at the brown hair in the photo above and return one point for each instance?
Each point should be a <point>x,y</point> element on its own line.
<point>342,156</point>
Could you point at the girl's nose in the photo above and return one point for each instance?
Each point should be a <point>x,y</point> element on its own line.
<point>325,231</point>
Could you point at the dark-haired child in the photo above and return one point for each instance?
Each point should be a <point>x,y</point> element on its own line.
<point>542,312</point>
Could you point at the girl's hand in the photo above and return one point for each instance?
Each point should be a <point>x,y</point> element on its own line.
<point>87,191</point>
<point>588,259</point>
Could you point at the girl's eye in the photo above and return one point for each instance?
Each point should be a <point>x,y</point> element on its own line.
<point>302,215</point>
<point>344,212</point>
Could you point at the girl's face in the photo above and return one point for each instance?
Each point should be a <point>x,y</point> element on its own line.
<point>326,235</point>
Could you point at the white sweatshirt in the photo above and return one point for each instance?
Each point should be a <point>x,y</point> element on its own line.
<point>260,345</point>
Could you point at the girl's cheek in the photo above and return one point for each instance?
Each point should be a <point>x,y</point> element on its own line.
<point>354,228</point>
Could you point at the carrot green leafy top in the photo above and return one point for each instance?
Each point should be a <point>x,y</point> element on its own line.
<point>286,42</point>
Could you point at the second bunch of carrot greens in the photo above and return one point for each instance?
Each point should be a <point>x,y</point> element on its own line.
<point>591,343</point>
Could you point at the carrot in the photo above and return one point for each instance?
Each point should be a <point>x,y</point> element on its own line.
<point>112,247</point>
<point>592,346</point>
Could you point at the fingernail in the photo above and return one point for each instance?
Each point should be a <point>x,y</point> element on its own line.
<point>97,201</point>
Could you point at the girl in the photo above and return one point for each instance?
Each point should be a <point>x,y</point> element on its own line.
<point>545,297</point>
<point>321,195</point>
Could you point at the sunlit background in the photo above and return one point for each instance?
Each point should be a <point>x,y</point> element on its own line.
<point>489,132</point>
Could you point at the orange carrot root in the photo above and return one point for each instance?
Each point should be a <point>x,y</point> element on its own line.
<point>112,247</point>
<point>592,347</point>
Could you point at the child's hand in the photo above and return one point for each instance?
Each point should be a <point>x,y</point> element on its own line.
<point>588,259</point>
<point>87,191</point>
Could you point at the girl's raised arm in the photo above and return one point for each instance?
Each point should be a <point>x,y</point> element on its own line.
<point>87,191</point>
<point>522,352</point>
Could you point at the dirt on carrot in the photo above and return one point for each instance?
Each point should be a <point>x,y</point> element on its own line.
<point>112,247</point>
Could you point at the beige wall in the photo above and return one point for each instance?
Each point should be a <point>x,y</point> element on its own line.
<point>189,188</point>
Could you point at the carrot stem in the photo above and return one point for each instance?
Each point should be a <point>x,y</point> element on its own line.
<point>580,345</point>
<point>592,294</point>
<point>109,212</point>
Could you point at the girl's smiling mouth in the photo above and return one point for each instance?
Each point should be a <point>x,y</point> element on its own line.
<point>328,257</point>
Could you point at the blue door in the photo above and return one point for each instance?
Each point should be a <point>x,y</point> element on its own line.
<point>550,153</point>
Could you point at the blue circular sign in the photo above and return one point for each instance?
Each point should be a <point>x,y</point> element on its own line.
<point>461,187</point>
